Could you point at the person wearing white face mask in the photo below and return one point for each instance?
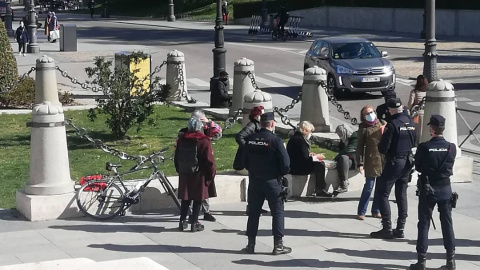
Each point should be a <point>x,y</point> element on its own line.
<point>368,158</point>
<point>303,162</point>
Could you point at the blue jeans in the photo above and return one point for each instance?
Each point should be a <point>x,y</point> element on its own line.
<point>365,198</point>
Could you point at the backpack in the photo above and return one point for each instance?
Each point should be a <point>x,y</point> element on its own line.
<point>187,157</point>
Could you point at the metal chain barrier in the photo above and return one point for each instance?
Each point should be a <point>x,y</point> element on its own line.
<point>84,85</point>
<point>184,93</point>
<point>82,133</point>
<point>284,118</point>
<point>8,88</point>
<point>339,107</point>
<point>232,120</point>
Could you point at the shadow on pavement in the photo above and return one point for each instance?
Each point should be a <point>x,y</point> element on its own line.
<point>319,264</point>
<point>163,248</point>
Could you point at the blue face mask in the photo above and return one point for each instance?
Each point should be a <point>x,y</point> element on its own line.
<point>371,117</point>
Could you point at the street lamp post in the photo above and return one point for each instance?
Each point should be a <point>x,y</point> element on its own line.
<point>9,18</point>
<point>219,52</point>
<point>171,17</point>
<point>32,46</point>
<point>424,19</point>
<point>264,13</point>
<point>430,54</point>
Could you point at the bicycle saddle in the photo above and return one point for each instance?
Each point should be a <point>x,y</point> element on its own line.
<point>109,166</point>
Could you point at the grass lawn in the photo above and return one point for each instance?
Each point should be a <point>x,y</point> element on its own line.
<point>87,160</point>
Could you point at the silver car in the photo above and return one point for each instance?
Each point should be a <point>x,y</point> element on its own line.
<point>353,65</point>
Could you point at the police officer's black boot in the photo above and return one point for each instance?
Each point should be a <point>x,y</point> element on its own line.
<point>279,248</point>
<point>399,231</point>
<point>385,232</point>
<point>250,248</point>
<point>451,265</point>
<point>421,264</point>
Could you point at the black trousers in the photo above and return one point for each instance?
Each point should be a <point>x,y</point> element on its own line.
<point>395,172</point>
<point>21,47</point>
<point>319,170</point>
<point>185,205</point>
<point>426,205</point>
<point>258,191</point>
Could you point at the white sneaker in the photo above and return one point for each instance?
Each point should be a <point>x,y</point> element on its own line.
<point>19,54</point>
<point>24,54</point>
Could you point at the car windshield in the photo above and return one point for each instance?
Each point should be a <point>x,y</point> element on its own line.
<point>354,50</point>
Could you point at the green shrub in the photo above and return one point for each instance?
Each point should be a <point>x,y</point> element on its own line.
<point>22,95</point>
<point>122,108</point>
<point>8,63</point>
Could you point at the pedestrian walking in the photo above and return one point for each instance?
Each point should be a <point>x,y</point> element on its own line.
<point>416,97</point>
<point>396,144</point>
<point>266,160</point>
<point>225,11</point>
<point>346,156</point>
<point>434,161</point>
<point>212,133</point>
<point>47,25</point>
<point>195,165</point>
<point>304,162</point>
<point>369,160</point>
<point>21,36</point>
<point>53,28</point>
<point>91,6</point>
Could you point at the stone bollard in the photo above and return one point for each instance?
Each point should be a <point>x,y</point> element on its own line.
<point>175,61</point>
<point>441,100</point>
<point>49,194</point>
<point>315,100</point>
<point>241,83</point>
<point>253,99</point>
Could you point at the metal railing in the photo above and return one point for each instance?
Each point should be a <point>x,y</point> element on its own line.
<point>471,131</point>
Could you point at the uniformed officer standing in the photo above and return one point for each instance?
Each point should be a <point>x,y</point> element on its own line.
<point>396,144</point>
<point>266,160</point>
<point>434,160</point>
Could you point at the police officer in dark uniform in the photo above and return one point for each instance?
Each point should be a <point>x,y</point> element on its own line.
<point>434,160</point>
<point>266,160</point>
<point>396,144</point>
<point>383,113</point>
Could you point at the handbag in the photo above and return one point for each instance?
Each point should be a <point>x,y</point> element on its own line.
<point>55,34</point>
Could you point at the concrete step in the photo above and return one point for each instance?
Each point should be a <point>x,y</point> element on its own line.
<point>143,263</point>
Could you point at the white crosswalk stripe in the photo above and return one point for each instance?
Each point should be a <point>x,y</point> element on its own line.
<point>198,82</point>
<point>476,104</point>
<point>404,81</point>
<point>463,99</point>
<point>298,73</point>
<point>268,82</point>
<point>285,78</point>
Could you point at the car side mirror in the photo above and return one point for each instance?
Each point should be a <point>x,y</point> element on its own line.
<point>384,54</point>
<point>323,56</point>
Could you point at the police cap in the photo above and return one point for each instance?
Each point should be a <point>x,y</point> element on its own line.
<point>268,116</point>
<point>394,103</point>
<point>437,120</point>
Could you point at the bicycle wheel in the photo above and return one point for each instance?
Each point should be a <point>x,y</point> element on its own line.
<point>100,200</point>
<point>170,189</point>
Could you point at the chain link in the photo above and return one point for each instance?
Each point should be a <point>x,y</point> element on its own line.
<point>84,85</point>
<point>82,133</point>
<point>419,107</point>
<point>252,80</point>
<point>339,107</point>
<point>285,120</point>
<point>232,120</point>
<point>183,92</point>
<point>8,88</point>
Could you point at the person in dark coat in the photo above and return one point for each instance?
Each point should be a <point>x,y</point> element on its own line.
<point>207,130</point>
<point>382,110</point>
<point>21,36</point>
<point>91,6</point>
<point>346,156</point>
<point>225,11</point>
<point>219,97</point>
<point>195,165</point>
<point>303,162</point>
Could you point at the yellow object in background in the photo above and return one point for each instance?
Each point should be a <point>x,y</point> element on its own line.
<point>142,68</point>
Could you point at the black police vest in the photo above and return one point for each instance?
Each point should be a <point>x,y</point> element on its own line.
<point>404,135</point>
<point>441,157</point>
<point>261,149</point>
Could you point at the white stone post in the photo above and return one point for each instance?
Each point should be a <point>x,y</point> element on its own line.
<point>253,99</point>
<point>241,83</point>
<point>175,60</point>
<point>49,193</point>
<point>314,99</point>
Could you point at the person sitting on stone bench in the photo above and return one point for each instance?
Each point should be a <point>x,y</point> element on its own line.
<point>302,162</point>
<point>346,156</point>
